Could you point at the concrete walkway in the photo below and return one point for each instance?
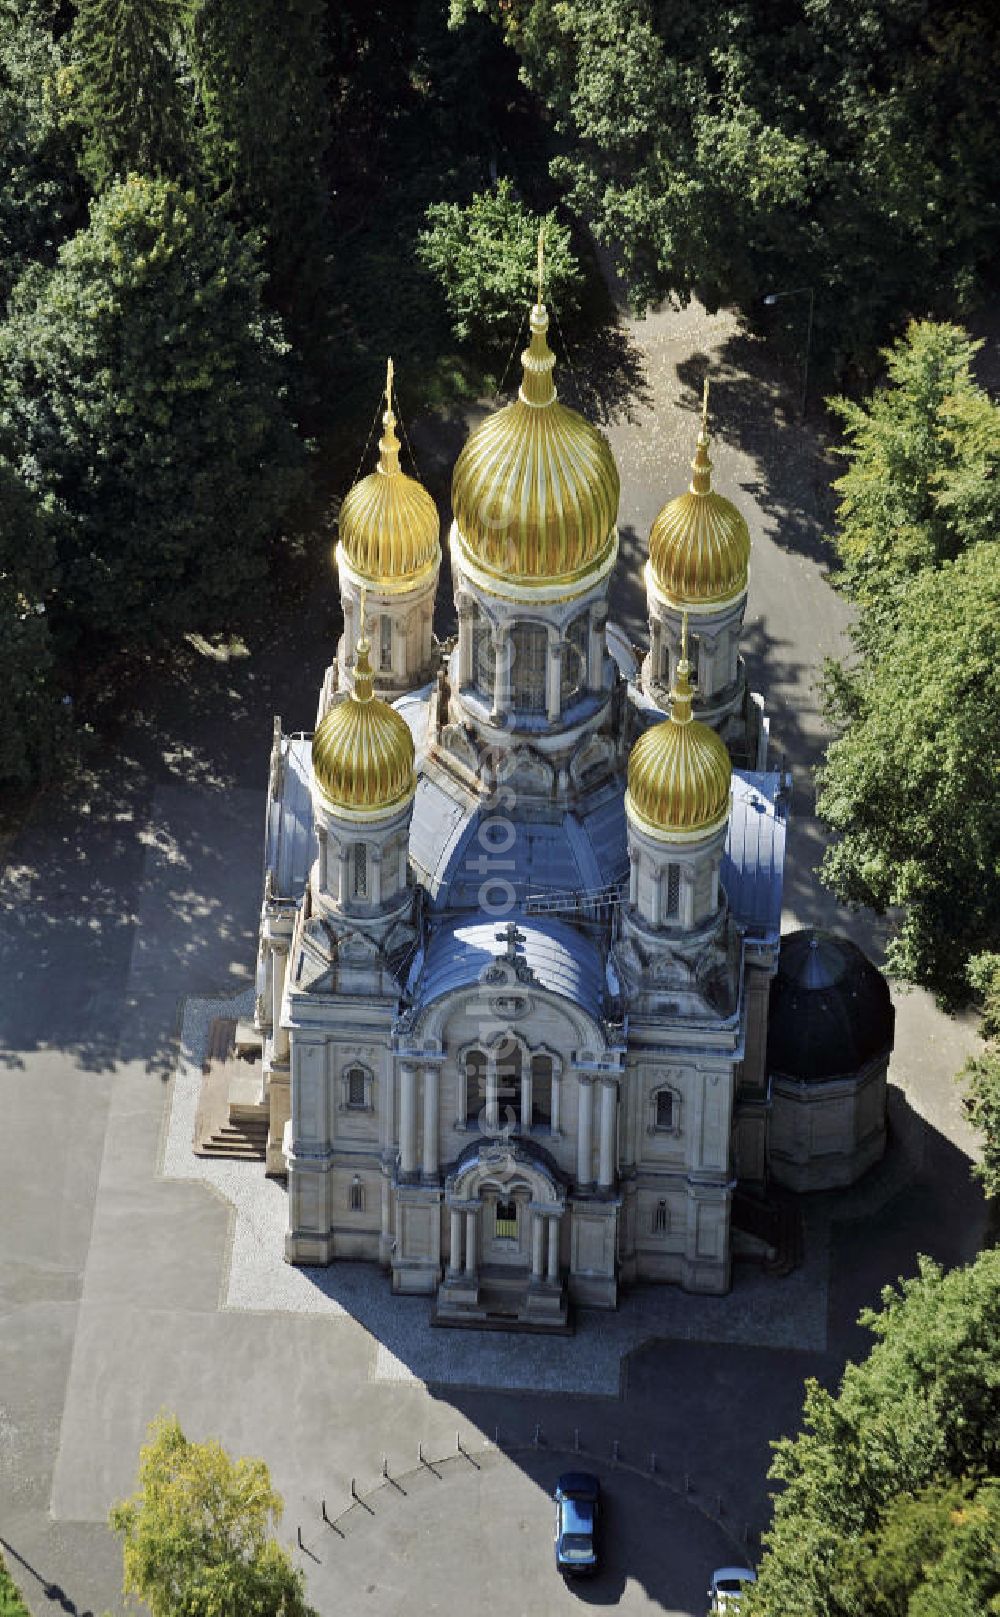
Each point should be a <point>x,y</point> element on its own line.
<point>140,888</point>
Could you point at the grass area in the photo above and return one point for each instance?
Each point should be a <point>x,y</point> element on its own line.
<point>11,1604</point>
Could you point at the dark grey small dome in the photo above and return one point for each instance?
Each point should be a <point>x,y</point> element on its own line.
<point>830,1011</point>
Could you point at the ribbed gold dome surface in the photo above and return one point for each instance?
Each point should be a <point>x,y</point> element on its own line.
<point>389,526</point>
<point>699,545</point>
<point>362,752</point>
<point>679,773</point>
<point>535,489</point>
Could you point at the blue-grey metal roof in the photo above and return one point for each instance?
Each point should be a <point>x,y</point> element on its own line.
<point>450,849</point>
<point>290,848</point>
<point>562,959</point>
<point>753,860</point>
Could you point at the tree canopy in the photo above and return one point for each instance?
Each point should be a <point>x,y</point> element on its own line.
<point>198,1533</point>
<point>920,1413</point>
<point>127,62</point>
<point>485,258</point>
<point>731,149</point>
<point>911,786</point>
<point>142,384</point>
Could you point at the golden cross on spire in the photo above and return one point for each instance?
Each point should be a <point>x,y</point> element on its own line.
<point>704,408</point>
<point>388,383</point>
<point>684,616</point>
<point>541,262</point>
<point>364,592</point>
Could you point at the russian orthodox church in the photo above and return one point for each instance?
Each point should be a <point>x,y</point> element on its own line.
<point>522,892</point>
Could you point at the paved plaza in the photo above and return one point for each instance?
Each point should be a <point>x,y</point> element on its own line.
<point>134,1277</point>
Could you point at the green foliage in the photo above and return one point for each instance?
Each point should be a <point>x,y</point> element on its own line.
<point>933,1555</point>
<point>262,75</point>
<point>38,182</point>
<point>981,1077</point>
<point>729,149</point>
<point>922,483</point>
<point>197,1533</point>
<point>33,727</point>
<point>142,385</point>
<point>126,79</point>
<point>922,1409</point>
<point>911,786</point>
<point>485,257</point>
<point>11,1604</point>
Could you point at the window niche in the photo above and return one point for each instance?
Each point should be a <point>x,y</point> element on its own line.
<point>665,1110</point>
<point>357,1194</point>
<point>358,1088</point>
<point>660,1222</point>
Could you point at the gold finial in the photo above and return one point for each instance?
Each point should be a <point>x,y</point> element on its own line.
<point>701,482</point>
<point>541,262</point>
<point>364,683</point>
<point>681,690</point>
<point>388,444</point>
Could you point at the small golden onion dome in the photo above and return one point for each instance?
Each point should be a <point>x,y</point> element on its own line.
<point>535,489</point>
<point>679,772</point>
<point>699,545</point>
<point>389,525</point>
<point>362,751</point>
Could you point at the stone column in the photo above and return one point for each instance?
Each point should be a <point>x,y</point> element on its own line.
<point>501,672</point>
<point>321,838</point>
<point>556,1092</point>
<point>430,1122</point>
<point>455,1243</point>
<point>656,894</point>
<point>408,1118</point>
<point>470,1244</point>
<point>492,1099</point>
<point>606,1161</point>
<point>466,642</point>
<point>633,882</point>
<point>655,650</point>
<point>537,1240</point>
<point>404,862</point>
<point>525,1091</point>
<point>595,652</point>
<point>585,1136</point>
<point>553,679</point>
<point>342,875</point>
<point>553,1274</point>
<point>280,1034</point>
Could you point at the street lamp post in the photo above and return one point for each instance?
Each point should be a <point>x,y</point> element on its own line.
<point>797,292</point>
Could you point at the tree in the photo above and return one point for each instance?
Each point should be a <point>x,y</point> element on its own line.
<point>733,148</point>
<point>485,258</point>
<point>197,1533</point>
<point>910,786</point>
<point>934,1554</point>
<point>143,388</point>
<point>923,1409</point>
<point>33,728</point>
<point>922,483</point>
<point>262,72</point>
<point>128,95</point>
<point>39,189</point>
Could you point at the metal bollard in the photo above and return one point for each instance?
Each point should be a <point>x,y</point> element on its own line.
<point>298,1535</point>
<point>354,1489</point>
<point>385,1465</point>
<point>718,1504</point>
<point>576,1440</point>
<point>652,1462</point>
<point>538,1434</point>
<point>325,1516</point>
<point>614,1451</point>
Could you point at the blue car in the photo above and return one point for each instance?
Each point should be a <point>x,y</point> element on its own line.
<point>578,1497</point>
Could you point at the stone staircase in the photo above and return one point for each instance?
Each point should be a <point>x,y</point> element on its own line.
<point>232,1119</point>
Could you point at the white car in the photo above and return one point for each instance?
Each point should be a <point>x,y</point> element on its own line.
<point>727,1586</point>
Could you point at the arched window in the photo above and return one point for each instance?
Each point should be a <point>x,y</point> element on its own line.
<point>660,1221</point>
<point>508,1060</point>
<point>574,658</point>
<point>385,644</point>
<point>357,1195</point>
<point>361,870</point>
<point>665,1109</point>
<point>672,903</point>
<point>530,652</point>
<point>541,1091</point>
<point>358,1086</point>
<point>475,1085</point>
<point>484,657</point>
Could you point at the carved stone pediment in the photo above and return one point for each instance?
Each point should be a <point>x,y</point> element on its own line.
<point>456,741</point>
<point>597,754</point>
<point>526,769</point>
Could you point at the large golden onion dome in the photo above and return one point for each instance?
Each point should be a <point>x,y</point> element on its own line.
<point>535,488</point>
<point>679,772</point>
<point>362,752</point>
<point>389,525</point>
<point>699,545</point>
